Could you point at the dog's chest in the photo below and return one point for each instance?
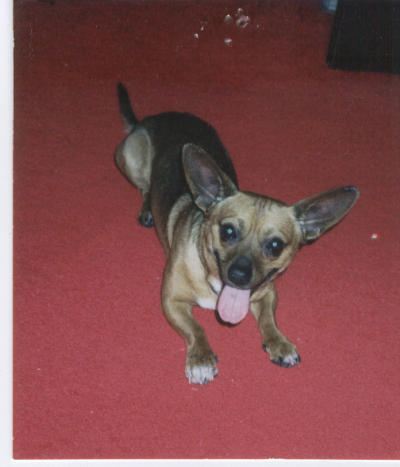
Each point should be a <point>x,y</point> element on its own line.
<point>205,287</point>
<point>209,300</point>
<point>210,303</point>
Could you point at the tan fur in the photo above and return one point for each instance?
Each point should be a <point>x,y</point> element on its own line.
<point>134,157</point>
<point>191,270</point>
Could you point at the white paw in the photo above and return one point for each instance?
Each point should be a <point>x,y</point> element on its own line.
<point>201,374</point>
<point>284,354</point>
<point>288,361</point>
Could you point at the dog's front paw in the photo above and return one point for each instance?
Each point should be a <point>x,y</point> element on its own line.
<point>282,353</point>
<point>201,368</point>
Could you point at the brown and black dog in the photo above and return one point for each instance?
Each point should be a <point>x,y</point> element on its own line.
<point>224,247</point>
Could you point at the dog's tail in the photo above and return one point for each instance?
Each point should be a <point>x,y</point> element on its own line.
<point>128,117</point>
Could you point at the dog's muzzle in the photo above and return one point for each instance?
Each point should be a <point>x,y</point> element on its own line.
<point>240,272</point>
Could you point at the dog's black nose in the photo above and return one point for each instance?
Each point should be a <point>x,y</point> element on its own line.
<point>240,271</point>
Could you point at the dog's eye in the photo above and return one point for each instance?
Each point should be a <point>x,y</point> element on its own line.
<point>275,246</point>
<point>228,233</point>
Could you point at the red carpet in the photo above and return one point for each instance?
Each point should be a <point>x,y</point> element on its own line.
<point>98,372</point>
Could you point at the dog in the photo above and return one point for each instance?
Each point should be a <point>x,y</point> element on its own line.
<point>224,247</point>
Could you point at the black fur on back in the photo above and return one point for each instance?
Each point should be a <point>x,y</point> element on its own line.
<point>169,132</point>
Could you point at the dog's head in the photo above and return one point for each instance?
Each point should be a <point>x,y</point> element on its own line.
<point>254,238</point>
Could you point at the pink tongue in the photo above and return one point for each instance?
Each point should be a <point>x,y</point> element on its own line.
<point>233,304</point>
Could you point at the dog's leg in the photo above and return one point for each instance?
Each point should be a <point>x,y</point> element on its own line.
<point>281,350</point>
<point>134,157</point>
<point>200,360</point>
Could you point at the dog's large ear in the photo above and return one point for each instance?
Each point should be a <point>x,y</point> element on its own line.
<point>206,180</point>
<point>321,212</point>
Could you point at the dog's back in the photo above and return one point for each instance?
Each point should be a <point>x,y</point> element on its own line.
<point>167,133</point>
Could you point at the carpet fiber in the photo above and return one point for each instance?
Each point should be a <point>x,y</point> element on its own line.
<point>98,372</point>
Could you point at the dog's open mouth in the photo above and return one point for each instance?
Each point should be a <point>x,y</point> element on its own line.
<point>233,304</point>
